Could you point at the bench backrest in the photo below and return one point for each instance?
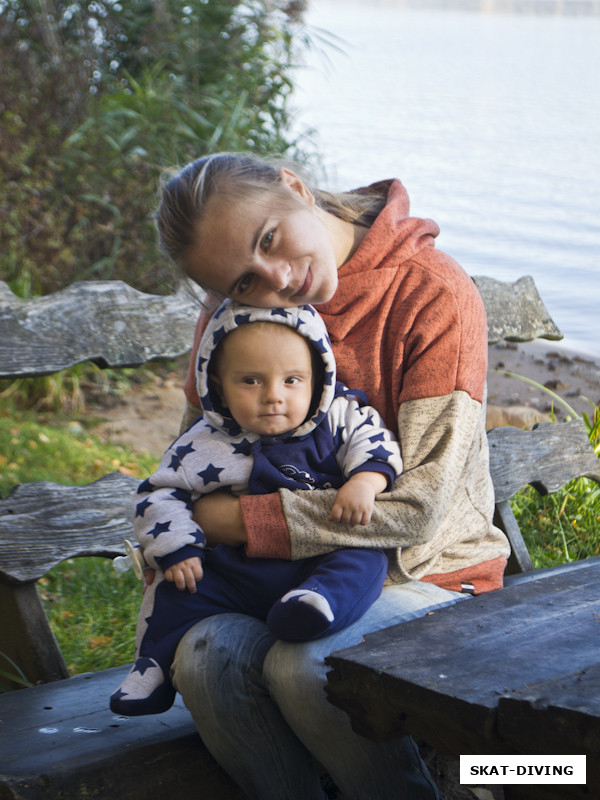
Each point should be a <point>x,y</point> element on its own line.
<point>111,324</point>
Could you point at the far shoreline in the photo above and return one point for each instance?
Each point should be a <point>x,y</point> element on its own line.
<point>571,374</point>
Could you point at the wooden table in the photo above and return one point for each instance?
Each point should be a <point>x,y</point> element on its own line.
<point>514,671</point>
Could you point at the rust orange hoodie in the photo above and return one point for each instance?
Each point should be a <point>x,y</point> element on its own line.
<point>408,327</point>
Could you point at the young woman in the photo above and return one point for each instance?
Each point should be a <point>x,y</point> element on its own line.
<point>408,327</point>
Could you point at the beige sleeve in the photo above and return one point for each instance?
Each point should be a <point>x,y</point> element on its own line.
<point>443,497</point>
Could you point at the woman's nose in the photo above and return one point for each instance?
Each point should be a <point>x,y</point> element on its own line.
<point>278,275</point>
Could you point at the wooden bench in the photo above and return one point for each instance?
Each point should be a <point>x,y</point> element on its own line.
<point>59,739</point>
<point>512,672</point>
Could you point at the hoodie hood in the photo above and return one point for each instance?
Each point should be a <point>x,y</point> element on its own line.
<point>229,316</point>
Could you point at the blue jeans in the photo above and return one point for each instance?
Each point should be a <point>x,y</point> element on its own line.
<point>260,707</point>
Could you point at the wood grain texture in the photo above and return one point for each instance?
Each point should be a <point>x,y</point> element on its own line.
<point>112,324</point>
<point>106,322</point>
<point>547,457</point>
<point>442,677</point>
<point>42,524</point>
<point>61,741</point>
<point>26,636</point>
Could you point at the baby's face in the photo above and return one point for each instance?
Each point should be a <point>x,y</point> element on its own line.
<point>265,378</point>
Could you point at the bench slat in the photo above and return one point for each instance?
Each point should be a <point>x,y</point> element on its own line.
<point>26,636</point>
<point>547,457</point>
<point>95,519</point>
<point>519,559</point>
<point>43,523</point>
<point>515,311</point>
<point>567,715</point>
<point>61,740</point>
<point>107,322</point>
<point>112,324</point>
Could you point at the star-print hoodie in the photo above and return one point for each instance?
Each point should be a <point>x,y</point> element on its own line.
<point>341,436</point>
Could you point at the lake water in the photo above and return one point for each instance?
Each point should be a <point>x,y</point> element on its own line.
<point>489,112</point>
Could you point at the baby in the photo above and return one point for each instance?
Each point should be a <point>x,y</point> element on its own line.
<point>274,418</point>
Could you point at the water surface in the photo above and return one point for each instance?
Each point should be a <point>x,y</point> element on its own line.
<point>489,112</point>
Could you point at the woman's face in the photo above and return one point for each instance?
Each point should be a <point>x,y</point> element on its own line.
<point>265,252</point>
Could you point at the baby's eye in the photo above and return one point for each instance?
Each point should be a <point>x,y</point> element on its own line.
<point>250,381</point>
<point>292,379</point>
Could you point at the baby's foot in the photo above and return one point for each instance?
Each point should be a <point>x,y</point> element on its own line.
<point>145,690</point>
<point>300,615</point>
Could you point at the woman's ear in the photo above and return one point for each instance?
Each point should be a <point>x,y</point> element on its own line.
<point>295,184</point>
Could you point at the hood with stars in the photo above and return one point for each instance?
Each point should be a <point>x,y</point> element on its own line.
<point>230,315</point>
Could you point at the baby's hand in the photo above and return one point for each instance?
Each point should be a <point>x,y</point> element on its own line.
<point>355,499</point>
<point>185,573</point>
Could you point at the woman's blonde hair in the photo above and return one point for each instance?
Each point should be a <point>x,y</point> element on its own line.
<point>184,197</point>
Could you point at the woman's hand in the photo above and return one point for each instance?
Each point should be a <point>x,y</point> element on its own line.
<point>219,514</point>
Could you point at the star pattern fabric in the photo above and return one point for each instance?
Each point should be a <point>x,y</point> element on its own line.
<point>179,454</point>
<point>210,474</point>
<point>243,448</point>
<point>160,527</point>
<point>141,508</point>
<point>343,434</point>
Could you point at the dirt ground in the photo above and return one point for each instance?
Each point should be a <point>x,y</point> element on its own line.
<point>147,418</point>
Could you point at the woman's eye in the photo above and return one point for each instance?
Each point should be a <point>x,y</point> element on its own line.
<point>244,283</point>
<point>267,240</point>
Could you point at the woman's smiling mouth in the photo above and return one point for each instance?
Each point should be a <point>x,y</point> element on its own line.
<point>305,288</point>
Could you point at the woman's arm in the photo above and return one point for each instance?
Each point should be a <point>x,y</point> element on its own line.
<point>219,515</point>
<point>439,436</point>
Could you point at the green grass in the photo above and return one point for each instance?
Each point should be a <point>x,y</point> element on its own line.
<point>92,609</point>
<point>32,448</point>
<point>561,527</point>
<point>93,612</point>
<point>564,526</point>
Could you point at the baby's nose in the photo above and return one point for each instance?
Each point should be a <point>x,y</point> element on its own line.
<point>272,393</point>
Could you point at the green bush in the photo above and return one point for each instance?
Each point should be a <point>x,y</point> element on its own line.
<point>98,98</point>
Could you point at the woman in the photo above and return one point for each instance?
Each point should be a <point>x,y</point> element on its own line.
<point>408,327</point>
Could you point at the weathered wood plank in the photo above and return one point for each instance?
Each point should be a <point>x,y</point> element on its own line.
<point>568,711</point>
<point>546,457</point>
<point>42,524</point>
<point>569,706</point>
<point>107,322</point>
<point>112,324</point>
<point>515,311</point>
<point>519,559</point>
<point>61,740</point>
<point>26,636</point>
<point>440,677</point>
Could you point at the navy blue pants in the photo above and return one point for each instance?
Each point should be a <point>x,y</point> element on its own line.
<point>350,580</point>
